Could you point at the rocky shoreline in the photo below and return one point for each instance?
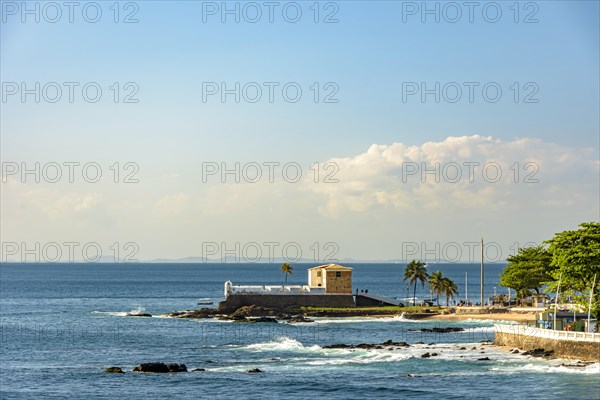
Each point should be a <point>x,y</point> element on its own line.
<point>255,313</point>
<point>263,314</point>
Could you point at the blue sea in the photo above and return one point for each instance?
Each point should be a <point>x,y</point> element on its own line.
<point>63,324</point>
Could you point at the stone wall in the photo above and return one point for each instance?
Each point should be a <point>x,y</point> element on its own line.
<point>338,284</point>
<point>563,348</point>
<point>235,301</point>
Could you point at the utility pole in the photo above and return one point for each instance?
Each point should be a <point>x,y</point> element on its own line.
<point>590,303</point>
<point>481,283</point>
<point>556,302</point>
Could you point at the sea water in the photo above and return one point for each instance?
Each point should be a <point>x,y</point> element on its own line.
<point>63,324</point>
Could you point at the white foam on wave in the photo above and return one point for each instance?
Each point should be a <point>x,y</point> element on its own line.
<point>112,313</point>
<point>137,310</point>
<point>552,367</point>
<point>282,343</point>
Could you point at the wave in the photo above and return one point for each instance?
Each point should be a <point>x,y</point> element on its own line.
<point>282,343</point>
<point>137,310</point>
<point>545,367</point>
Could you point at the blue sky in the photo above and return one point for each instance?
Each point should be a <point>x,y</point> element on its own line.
<point>368,54</point>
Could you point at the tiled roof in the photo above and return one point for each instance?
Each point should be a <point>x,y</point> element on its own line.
<point>334,267</point>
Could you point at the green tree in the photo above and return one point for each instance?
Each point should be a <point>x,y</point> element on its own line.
<point>287,269</point>
<point>527,270</point>
<point>576,260</point>
<point>414,272</point>
<point>449,289</point>
<point>436,285</point>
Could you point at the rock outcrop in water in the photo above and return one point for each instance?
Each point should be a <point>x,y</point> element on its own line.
<point>114,370</point>
<point>201,313</point>
<point>448,329</point>
<point>538,353</point>
<point>383,345</point>
<point>160,368</point>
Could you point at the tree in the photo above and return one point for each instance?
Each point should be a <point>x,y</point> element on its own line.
<point>576,260</point>
<point>527,270</point>
<point>415,271</point>
<point>436,285</point>
<point>449,289</point>
<point>287,269</point>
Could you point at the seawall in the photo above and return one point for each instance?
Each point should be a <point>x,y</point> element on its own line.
<point>280,302</point>
<point>577,346</point>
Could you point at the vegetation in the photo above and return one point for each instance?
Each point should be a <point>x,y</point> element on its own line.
<point>571,257</point>
<point>287,269</point>
<point>415,271</point>
<point>440,285</point>
<point>528,270</point>
<point>436,285</point>
<point>449,289</point>
<point>576,262</point>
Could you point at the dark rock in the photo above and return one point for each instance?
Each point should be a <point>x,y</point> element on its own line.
<point>198,370</point>
<point>419,342</point>
<point>139,315</point>
<point>260,319</point>
<point>463,348</point>
<point>484,359</point>
<point>434,354</point>
<point>447,329</point>
<point>538,353</point>
<point>408,376</point>
<point>253,311</point>
<point>160,368</point>
<point>300,318</point>
<point>254,371</point>
<point>377,346</point>
<point>337,346</point>
<point>431,344</point>
<point>114,370</point>
<point>426,355</point>
<point>152,367</point>
<point>201,313</point>
<point>177,368</point>
<point>578,364</point>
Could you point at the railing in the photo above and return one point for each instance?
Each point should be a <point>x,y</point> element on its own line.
<point>272,290</point>
<point>548,333</point>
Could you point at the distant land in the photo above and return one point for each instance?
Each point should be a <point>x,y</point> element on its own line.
<point>232,260</point>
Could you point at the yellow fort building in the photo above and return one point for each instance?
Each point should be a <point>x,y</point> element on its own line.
<point>333,278</point>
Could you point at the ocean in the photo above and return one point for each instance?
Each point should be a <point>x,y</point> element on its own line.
<point>63,324</point>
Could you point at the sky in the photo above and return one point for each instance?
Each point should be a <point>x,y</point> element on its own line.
<point>500,103</point>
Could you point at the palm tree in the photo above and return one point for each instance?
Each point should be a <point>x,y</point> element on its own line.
<point>449,289</point>
<point>287,269</point>
<point>415,271</point>
<point>436,284</point>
